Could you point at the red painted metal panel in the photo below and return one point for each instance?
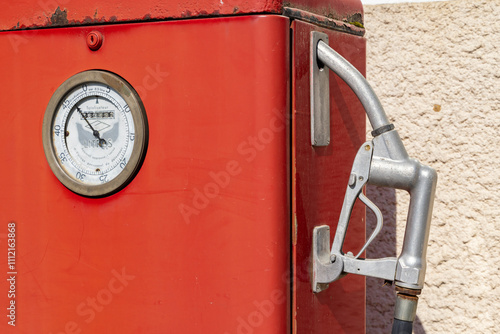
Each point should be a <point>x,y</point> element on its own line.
<point>319,180</point>
<point>199,241</point>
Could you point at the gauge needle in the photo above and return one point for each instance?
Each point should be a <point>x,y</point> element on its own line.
<point>94,131</point>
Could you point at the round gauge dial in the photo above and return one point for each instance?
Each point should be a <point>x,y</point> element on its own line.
<point>95,133</point>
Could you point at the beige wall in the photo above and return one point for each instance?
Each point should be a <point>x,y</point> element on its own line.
<point>436,69</point>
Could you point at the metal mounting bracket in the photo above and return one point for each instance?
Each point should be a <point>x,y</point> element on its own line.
<point>320,94</point>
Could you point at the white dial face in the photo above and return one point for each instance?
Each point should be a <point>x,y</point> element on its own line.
<point>93,133</point>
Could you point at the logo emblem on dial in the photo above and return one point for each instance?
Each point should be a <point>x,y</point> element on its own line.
<point>95,133</point>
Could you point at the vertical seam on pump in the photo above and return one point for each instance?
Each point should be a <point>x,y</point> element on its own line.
<point>292,176</point>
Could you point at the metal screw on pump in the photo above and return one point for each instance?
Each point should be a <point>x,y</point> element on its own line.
<point>94,40</point>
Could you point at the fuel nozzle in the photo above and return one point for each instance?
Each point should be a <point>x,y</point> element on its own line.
<point>382,161</point>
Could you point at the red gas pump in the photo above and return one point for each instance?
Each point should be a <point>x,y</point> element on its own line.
<point>164,168</point>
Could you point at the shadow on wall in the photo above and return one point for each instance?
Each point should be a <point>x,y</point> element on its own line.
<point>380,298</point>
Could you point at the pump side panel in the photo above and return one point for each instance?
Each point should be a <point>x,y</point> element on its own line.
<point>199,241</point>
<point>319,180</point>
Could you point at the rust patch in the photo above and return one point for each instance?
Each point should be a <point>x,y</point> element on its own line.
<point>326,22</point>
<point>186,14</point>
<point>88,20</point>
<point>408,292</point>
<point>356,19</point>
<point>202,13</point>
<point>59,18</point>
<point>326,11</point>
<point>408,297</point>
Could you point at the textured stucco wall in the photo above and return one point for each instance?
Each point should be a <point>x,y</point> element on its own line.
<point>436,69</point>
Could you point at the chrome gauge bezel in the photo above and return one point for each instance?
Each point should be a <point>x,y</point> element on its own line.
<point>128,168</point>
